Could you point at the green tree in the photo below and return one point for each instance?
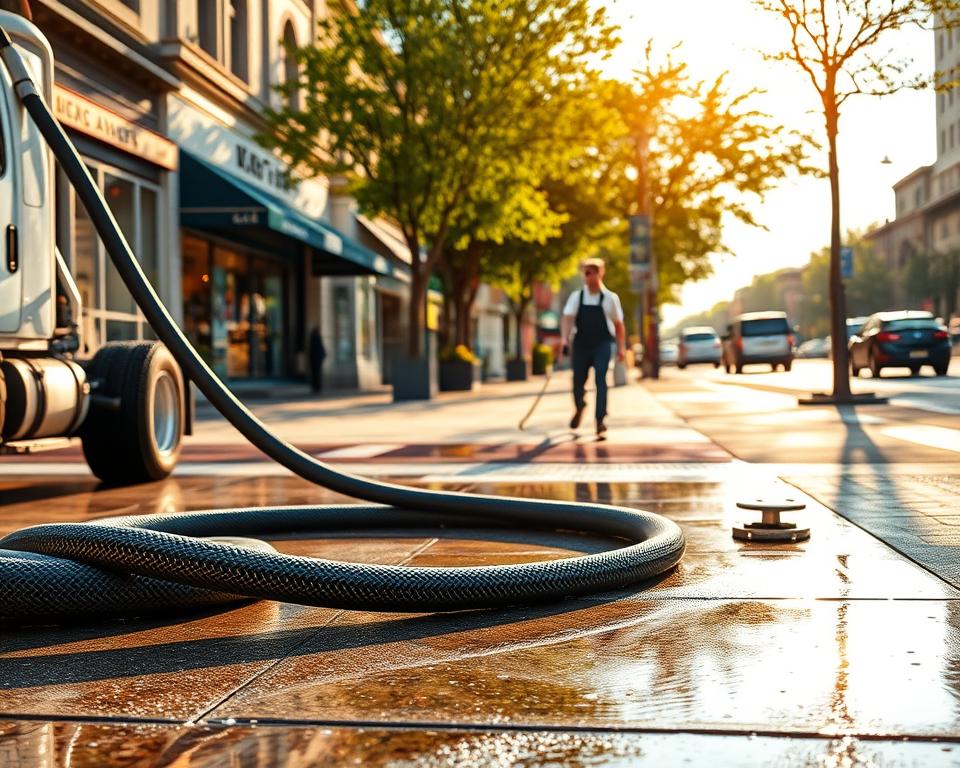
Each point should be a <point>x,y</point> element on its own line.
<point>697,153</point>
<point>869,290</point>
<point>934,277</point>
<point>414,100</point>
<point>842,49</point>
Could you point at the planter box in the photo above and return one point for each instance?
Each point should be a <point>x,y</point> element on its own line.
<point>457,375</point>
<point>539,365</point>
<point>516,370</point>
<point>414,380</point>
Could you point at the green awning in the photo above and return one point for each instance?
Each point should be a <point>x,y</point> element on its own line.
<point>214,200</point>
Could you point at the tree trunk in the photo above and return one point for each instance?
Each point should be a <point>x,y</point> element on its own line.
<point>838,309</point>
<point>462,329</point>
<point>445,334</point>
<point>520,310</point>
<point>468,302</point>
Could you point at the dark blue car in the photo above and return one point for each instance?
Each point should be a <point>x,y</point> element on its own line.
<point>906,339</point>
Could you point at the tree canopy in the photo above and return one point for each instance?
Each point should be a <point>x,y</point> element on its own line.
<point>842,47</point>
<point>416,102</point>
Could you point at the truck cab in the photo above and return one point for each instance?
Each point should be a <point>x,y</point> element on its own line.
<point>127,403</point>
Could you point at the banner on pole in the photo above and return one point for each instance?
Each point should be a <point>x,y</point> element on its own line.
<point>640,239</point>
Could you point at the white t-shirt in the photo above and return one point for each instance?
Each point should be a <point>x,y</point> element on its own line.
<point>611,306</point>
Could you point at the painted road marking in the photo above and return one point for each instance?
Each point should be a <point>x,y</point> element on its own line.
<point>922,434</point>
<point>362,451</point>
<point>925,405</point>
<point>691,472</point>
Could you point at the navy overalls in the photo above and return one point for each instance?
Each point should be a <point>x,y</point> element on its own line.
<point>591,347</point>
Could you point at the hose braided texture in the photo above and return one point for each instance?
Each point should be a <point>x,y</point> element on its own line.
<point>139,556</point>
<point>130,564</point>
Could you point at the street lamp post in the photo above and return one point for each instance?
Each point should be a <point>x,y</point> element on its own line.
<point>643,263</point>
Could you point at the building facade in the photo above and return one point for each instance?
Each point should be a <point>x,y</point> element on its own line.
<point>164,98</point>
<point>927,219</point>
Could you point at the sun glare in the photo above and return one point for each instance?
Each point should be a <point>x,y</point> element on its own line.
<point>729,36</point>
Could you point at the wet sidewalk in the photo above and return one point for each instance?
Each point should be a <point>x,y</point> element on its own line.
<point>834,651</point>
<point>830,648</point>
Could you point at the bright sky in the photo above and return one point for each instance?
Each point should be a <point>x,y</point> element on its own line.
<point>719,35</point>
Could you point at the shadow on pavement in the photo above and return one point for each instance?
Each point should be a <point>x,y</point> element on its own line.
<point>158,658</point>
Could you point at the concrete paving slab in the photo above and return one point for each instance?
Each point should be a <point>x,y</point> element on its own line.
<point>906,510</point>
<point>806,666</point>
<point>45,745</point>
<point>838,639</point>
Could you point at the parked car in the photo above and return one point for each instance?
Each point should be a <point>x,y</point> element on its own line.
<point>905,339</point>
<point>758,337</point>
<point>815,348</point>
<point>700,344</point>
<point>668,352</point>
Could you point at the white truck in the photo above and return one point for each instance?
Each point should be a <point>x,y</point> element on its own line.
<point>127,404</point>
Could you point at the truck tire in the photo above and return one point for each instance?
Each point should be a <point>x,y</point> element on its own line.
<point>134,430</point>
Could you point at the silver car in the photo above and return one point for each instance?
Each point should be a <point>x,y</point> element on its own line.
<point>700,344</point>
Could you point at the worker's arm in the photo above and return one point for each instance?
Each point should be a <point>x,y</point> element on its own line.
<point>621,340</point>
<point>566,329</point>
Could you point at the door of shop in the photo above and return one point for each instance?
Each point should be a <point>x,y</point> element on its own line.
<point>253,313</point>
<point>245,297</point>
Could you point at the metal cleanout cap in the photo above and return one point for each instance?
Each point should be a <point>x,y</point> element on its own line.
<point>771,527</point>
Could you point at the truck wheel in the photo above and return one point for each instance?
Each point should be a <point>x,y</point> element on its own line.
<point>134,430</point>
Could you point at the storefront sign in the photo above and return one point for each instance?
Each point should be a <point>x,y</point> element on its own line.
<point>263,168</point>
<point>198,131</point>
<point>81,114</point>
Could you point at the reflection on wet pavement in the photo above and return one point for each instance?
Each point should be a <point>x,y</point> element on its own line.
<point>831,649</point>
<point>44,745</point>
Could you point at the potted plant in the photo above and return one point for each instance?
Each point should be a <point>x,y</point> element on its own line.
<point>517,369</point>
<point>457,369</point>
<point>542,359</point>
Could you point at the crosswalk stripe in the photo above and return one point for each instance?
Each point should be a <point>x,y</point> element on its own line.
<point>362,451</point>
<point>923,434</point>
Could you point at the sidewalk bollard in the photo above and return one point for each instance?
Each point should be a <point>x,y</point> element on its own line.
<point>771,527</point>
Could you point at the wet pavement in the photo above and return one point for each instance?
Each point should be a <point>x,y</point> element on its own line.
<point>837,651</point>
<point>808,653</point>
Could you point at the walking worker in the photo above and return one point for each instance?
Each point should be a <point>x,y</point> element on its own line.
<point>593,317</point>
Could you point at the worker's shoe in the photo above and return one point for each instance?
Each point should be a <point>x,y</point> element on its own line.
<point>577,416</point>
<point>601,427</point>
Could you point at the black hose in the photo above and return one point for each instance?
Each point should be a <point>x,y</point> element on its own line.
<point>163,547</point>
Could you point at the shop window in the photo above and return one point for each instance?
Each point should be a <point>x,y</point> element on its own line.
<point>208,29</point>
<point>121,330</point>
<point>237,10</point>
<point>367,319</point>
<point>343,325</point>
<point>109,312</point>
<point>196,287</point>
<point>86,273</point>
<point>149,237</point>
<point>291,70</point>
<point>120,196</point>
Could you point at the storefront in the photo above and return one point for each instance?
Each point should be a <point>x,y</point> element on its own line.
<point>255,253</point>
<point>131,165</point>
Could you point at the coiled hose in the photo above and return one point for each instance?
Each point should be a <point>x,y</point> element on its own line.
<point>150,562</point>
